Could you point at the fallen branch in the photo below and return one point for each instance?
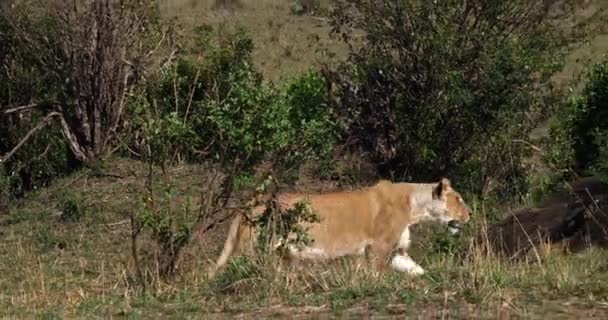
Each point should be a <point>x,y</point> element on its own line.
<point>43,123</point>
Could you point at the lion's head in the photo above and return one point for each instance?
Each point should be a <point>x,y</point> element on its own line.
<point>449,206</point>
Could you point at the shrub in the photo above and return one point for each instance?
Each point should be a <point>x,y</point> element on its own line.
<point>600,167</point>
<point>446,87</point>
<point>589,120</point>
<point>66,72</point>
<point>220,109</point>
<point>170,228</point>
<point>578,138</point>
<point>217,112</point>
<point>45,156</point>
<point>73,209</point>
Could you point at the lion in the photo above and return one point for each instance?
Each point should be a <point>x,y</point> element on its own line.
<point>373,221</point>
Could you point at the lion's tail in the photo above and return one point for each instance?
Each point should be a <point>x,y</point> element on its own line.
<point>229,245</point>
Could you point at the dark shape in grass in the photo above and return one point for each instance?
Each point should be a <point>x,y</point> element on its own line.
<point>573,219</point>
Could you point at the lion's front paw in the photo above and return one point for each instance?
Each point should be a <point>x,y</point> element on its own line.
<point>417,270</point>
<point>406,264</point>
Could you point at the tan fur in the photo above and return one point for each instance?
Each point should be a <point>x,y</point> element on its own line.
<point>370,220</point>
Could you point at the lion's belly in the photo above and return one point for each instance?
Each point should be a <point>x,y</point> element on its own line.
<point>320,252</point>
<point>342,231</point>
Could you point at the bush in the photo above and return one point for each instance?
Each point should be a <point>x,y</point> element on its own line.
<point>73,209</point>
<point>589,121</point>
<point>600,167</point>
<point>579,135</point>
<point>446,87</point>
<point>170,228</point>
<point>220,111</point>
<point>66,72</point>
<point>45,156</point>
<point>217,112</point>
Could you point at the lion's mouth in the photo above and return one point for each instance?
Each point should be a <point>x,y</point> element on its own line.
<point>454,226</point>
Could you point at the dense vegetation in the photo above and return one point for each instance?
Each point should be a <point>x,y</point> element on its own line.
<point>443,88</point>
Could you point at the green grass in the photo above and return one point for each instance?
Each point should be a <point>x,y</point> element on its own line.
<point>83,268</point>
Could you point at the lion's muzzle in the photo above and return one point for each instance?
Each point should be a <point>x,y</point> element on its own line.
<point>454,226</point>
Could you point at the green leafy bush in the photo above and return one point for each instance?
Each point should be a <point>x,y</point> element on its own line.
<point>170,228</point>
<point>220,110</point>
<point>45,156</point>
<point>280,229</point>
<point>577,142</point>
<point>73,209</point>
<point>578,138</point>
<point>600,167</point>
<point>66,71</point>
<point>446,87</point>
<point>589,119</point>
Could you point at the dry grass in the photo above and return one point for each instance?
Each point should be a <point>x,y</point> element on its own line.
<point>83,269</point>
<point>285,44</point>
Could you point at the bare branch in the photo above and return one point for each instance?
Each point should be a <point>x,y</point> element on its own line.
<point>72,140</point>
<point>20,108</point>
<point>43,123</point>
<point>198,71</point>
<point>169,59</point>
<point>530,145</point>
<point>162,39</point>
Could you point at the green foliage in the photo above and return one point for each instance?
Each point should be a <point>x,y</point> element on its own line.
<point>577,142</point>
<point>170,227</point>
<point>280,229</point>
<point>219,110</point>
<point>46,155</point>
<point>589,118</point>
<point>53,70</point>
<point>72,209</point>
<point>445,88</point>
<point>600,167</point>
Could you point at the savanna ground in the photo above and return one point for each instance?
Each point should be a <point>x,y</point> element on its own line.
<point>55,267</point>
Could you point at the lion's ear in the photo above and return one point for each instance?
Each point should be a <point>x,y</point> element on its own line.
<point>441,188</point>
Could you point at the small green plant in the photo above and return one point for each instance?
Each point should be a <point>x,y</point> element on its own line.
<point>72,209</point>
<point>171,229</point>
<point>279,229</point>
